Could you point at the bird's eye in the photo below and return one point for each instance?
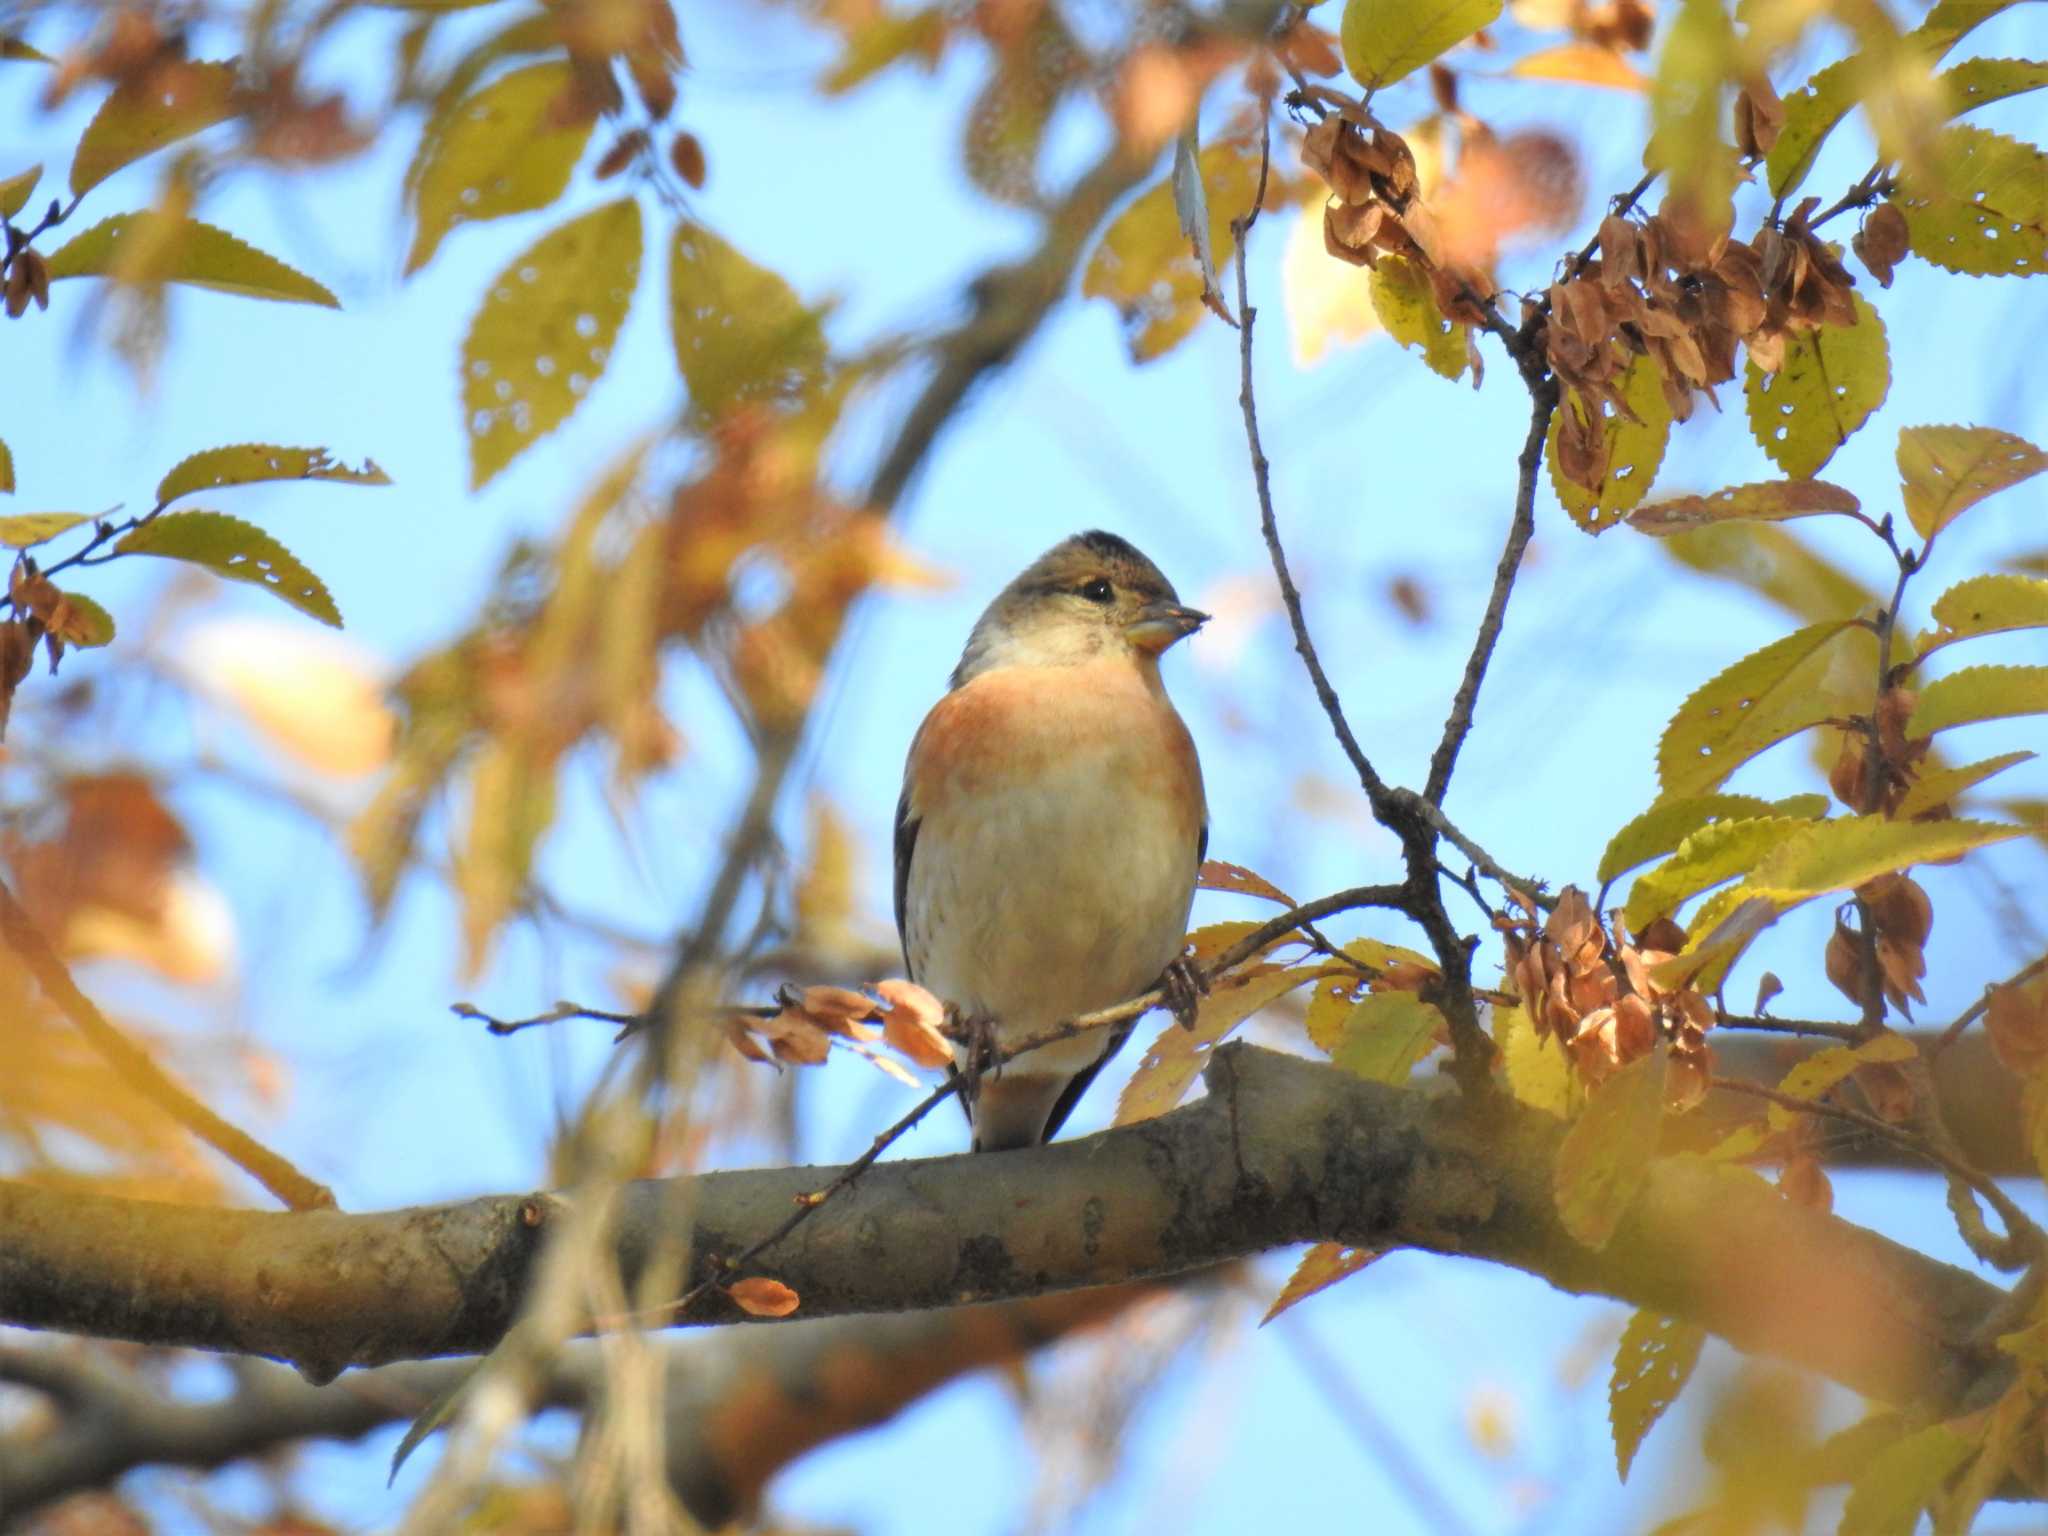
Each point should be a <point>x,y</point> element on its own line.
<point>1099,590</point>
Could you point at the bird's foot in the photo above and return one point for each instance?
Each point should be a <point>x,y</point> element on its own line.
<point>978,1036</point>
<point>1184,987</point>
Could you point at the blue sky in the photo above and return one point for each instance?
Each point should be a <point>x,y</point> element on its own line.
<point>1381,470</point>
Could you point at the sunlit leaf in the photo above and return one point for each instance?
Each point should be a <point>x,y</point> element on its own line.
<point>26,529</point>
<point>1321,1267</point>
<point>1386,1034</point>
<point>883,40</point>
<point>1538,1074</point>
<point>15,190</point>
<point>1988,605</point>
<point>1725,925</point>
<point>1831,380</point>
<point>1652,1364</point>
<point>1668,823</point>
<point>500,152</point>
<point>87,624</point>
<point>1902,1480</point>
<point>1581,64</point>
<point>1944,471</point>
<point>1979,82</point>
<point>1215,875</point>
<point>312,695</point>
<point>1811,113</point>
<point>1771,501</point>
<point>741,333</point>
<point>1847,851</point>
<point>758,1296</point>
<point>1987,211</point>
<point>169,103</point>
<point>1716,852</point>
<point>1388,40</point>
<point>1688,144</point>
<point>1944,784</point>
<point>1406,306</point>
<point>1177,1055</point>
<point>240,551</point>
<point>1767,696</point>
<point>1979,693</point>
<point>543,336</point>
<point>1776,564</point>
<point>1634,449</point>
<point>1606,1153</point>
<point>1328,302</point>
<point>249,463</point>
<point>1811,1079</point>
<point>188,252</point>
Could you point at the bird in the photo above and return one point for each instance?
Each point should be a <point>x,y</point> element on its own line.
<point>1051,828</point>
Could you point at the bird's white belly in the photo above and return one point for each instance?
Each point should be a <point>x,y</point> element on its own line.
<point>1056,899</point>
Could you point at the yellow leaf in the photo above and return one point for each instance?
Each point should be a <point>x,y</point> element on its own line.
<point>239,551</point>
<point>1837,855</point>
<point>1215,875</point>
<point>171,102</point>
<point>1687,141</point>
<point>1987,605</point>
<point>1668,823</point>
<point>1759,701</point>
<point>1321,1267</point>
<point>1174,1059</point>
<point>314,696</point>
<point>1979,82</point>
<point>1385,1035</point>
<point>16,189</point>
<point>497,153</point>
<point>1944,471</point>
<point>189,938</point>
<point>1771,501</point>
<point>1979,693</point>
<point>1328,301</point>
<point>1986,211</point>
<point>1652,1364</point>
<point>250,463</point>
<point>543,335</point>
<point>1582,64</point>
<point>184,251</point>
<point>1705,859</point>
<point>741,334</point>
<point>511,804</point>
<point>1775,564</point>
<point>1829,383</point>
<point>1811,113</point>
<point>25,530</point>
<point>1388,40</point>
<point>1537,1072</point>
<point>1407,308</point>
<point>1902,1480</point>
<point>1820,1072</point>
<point>1944,784</point>
<point>1635,447</point>
<point>6,468</point>
<point>1606,1153</point>
<point>875,44</point>
<point>1726,923</point>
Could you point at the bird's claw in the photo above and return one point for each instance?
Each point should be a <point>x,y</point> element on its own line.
<point>1184,987</point>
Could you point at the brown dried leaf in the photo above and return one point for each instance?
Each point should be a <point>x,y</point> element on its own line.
<point>2017,1020</point>
<point>1216,875</point>
<point>913,1023</point>
<point>1883,241</point>
<point>1803,1182</point>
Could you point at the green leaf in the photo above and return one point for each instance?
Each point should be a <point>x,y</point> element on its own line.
<point>543,335</point>
<point>250,463</point>
<point>1979,82</point>
<point>1771,501</point>
<point>1652,1364</point>
<point>1815,1076</point>
<point>6,468</point>
<point>1987,211</point>
<point>240,551</point>
<point>1668,823</point>
<point>1944,784</point>
<point>1688,143</point>
<point>1759,701</point>
<point>1635,447</point>
<point>1979,693</point>
<point>498,152</point>
<point>168,104</point>
<point>27,529</point>
<point>1386,1034</point>
<point>1387,40</point>
<point>741,333</point>
<point>15,190</point>
<point>1604,1156</point>
<point>1406,306</point>
<point>1177,1055</point>
<point>1901,1481</point>
<point>1709,856</point>
<point>1831,380</point>
<point>1537,1072</point>
<point>87,625</point>
<point>1987,605</point>
<point>1811,113</point>
<point>1944,471</point>
<point>1845,852</point>
<point>188,252</point>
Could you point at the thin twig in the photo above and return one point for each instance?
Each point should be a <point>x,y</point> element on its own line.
<point>141,1073</point>
<point>1969,1015</point>
<point>1765,1024</point>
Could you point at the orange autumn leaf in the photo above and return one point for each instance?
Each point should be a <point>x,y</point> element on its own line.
<point>759,1296</point>
<point>1321,1267</point>
<point>912,1023</point>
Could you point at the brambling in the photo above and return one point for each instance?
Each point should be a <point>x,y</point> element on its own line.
<point>1051,826</point>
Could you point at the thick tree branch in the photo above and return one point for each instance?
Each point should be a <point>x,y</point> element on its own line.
<point>1281,1151</point>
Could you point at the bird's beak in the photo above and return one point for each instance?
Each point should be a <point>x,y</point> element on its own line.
<point>1159,625</point>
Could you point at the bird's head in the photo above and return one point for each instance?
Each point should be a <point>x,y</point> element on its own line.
<point>1087,595</point>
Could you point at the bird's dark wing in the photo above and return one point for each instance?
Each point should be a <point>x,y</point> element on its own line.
<point>906,844</point>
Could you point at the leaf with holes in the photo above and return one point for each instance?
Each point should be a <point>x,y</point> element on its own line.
<point>543,335</point>
<point>1979,693</point>
<point>240,551</point>
<point>185,252</point>
<point>1605,1155</point>
<point>1634,449</point>
<point>1811,1079</point>
<point>1758,702</point>
<point>1841,854</point>
<point>1388,40</point>
<point>1715,853</point>
<point>1987,605</point>
<point>1405,306</point>
<point>1831,380</point>
<point>250,463</point>
<point>1320,1268</point>
<point>1652,1364</point>
<point>1944,471</point>
<point>171,102</point>
<point>741,333</point>
<point>1772,501</point>
<point>1385,1035</point>
<point>1944,784</point>
<point>1986,212</point>
<point>1668,823</point>
<point>1977,83</point>
<point>1177,1055</point>
<point>28,529</point>
<point>499,152</point>
<point>1215,875</point>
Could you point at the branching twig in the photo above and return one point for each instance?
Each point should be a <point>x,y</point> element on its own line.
<point>1970,1015</point>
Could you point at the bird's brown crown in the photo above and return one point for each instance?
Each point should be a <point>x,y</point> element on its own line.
<point>1068,605</point>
